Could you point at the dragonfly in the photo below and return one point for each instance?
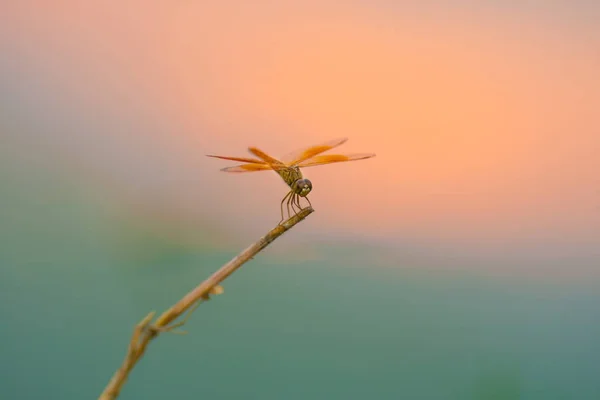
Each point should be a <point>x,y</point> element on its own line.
<point>288,168</point>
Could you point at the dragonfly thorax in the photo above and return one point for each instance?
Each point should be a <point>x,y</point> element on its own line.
<point>302,187</point>
<point>294,179</point>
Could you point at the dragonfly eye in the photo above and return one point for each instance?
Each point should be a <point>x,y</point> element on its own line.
<point>304,186</point>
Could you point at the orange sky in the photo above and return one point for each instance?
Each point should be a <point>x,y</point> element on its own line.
<point>485,123</point>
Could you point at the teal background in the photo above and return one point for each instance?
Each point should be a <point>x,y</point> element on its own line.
<point>77,272</point>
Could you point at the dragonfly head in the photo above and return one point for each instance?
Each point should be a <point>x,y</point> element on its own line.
<point>303,187</point>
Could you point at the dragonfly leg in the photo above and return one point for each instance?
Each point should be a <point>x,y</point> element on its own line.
<point>310,205</point>
<point>298,203</point>
<point>286,197</point>
<point>291,202</point>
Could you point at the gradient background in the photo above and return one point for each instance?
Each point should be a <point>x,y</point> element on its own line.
<point>463,262</point>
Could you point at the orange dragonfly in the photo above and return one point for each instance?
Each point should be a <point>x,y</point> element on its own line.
<point>289,167</point>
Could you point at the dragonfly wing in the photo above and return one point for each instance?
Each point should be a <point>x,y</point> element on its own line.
<point>272,162</point>
<point>240,159</point>
<point>333,158</point>
<point>250,167</point>
<point>296,157</point>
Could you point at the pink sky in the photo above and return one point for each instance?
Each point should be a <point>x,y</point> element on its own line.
<point>485,122</point>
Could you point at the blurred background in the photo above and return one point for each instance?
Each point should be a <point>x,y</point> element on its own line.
<point>463,262</point>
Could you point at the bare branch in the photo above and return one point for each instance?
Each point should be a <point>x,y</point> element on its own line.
<point>144,332</point>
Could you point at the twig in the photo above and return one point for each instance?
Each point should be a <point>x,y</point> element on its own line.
<point>144,332</point>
